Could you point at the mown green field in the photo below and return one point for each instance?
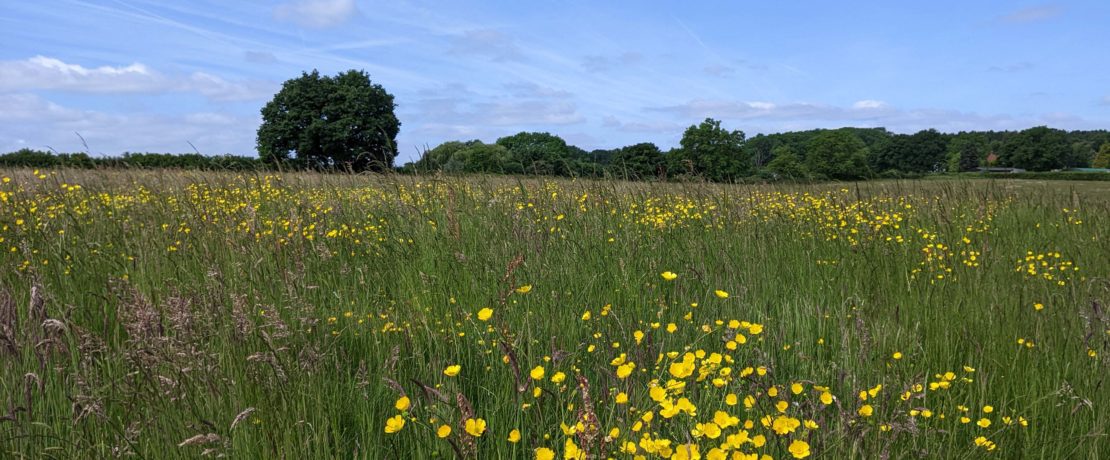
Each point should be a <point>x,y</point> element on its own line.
<point>175,315</point>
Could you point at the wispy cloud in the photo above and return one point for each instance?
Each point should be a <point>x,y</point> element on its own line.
<point>533,90</point>
<point>30,121</point>
<point>489,43</point>
<point>719,70</point>
<point>602,63</point>
<point>259,57</point>
<point>1012,68</point>
<point>316,13</point>
<point>770,117</point>
<point>866,111</point>
<point>525,105</point>
<point>654,126</point>
<point>41,72</point>
<point>26,107</point>
<point>869,104</point>
<point>1031,14</point>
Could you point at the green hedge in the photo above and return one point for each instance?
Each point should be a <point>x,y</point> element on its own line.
<point>27,158</point>
<point>1055,175</point>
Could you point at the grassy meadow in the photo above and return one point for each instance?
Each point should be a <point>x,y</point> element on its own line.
<point>176,315</point>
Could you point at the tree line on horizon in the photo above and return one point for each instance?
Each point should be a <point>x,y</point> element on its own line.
<point>707,150</point>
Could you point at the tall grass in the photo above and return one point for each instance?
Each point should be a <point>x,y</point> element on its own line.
<point>175,314</point>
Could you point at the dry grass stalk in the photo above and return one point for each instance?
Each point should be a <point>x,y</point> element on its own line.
<point>521,385</point>
<point>467,444</point>
<point>246,413</point>
<point>200,439</point>
<point>9,325</point>
<point>591,426</point>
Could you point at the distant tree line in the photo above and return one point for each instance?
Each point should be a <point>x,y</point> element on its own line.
<point>28,158</point>
<point>712,152</point>
<point>707,151</point>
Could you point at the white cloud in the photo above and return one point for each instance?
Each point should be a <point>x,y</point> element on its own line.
<point>527,104</point>
<point>498,112</point>
<point>719,70</point>
<point>259,57</point>
<point>654,127</point>
<point>41,72</point>
<point>602,63</point>
<point>1105,101</point>
<point>767,117</point>
<point>316,13</point>
<point>1031,14</point>
<point>29,108</point>
<point>1012,68</point>
<point>28,120</point>
<point>490,43</point>
<point>533,90</point>
<point>217,88</point>
<point>868,104</point>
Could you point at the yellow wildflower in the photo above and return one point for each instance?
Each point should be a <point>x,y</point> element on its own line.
<point>475,426</point>
<point>394,424</point>
<point>485,314</point>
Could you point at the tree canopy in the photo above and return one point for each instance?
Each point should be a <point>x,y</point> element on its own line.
<point>1037,149</point>
<point>713,152</point>
<point>345,121</point>
<point>837,154</point>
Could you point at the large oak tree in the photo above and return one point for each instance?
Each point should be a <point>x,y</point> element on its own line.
<point>345,121</point>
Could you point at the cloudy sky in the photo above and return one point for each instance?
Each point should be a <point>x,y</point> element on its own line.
<point>139,75</point>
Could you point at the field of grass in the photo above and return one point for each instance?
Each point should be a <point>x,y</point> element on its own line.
<point>175,315</point>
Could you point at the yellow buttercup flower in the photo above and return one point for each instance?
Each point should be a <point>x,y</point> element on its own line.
<point>544,453</point>
<point>721,294</point>
<point>443,431</point>
<point>524,289</point>
<point>403,403</point>
<point>782,424</point>
<point>475,426</point>
<point>799,448</point>
<point>485,314</point>
<point>394,424</point>
<point>452,370</point>
<point>669,276</point>
<point>686,452</point>
<point>625,370</point>
<point>514,436</point>
<point>866,410</point>
<point>537,373</point>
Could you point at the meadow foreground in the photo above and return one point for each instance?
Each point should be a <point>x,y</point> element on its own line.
<point>174,315</point>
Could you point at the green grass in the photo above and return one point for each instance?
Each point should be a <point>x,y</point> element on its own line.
<point>182,300</point>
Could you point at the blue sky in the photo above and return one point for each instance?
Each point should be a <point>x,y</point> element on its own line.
<point>138,75</point>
